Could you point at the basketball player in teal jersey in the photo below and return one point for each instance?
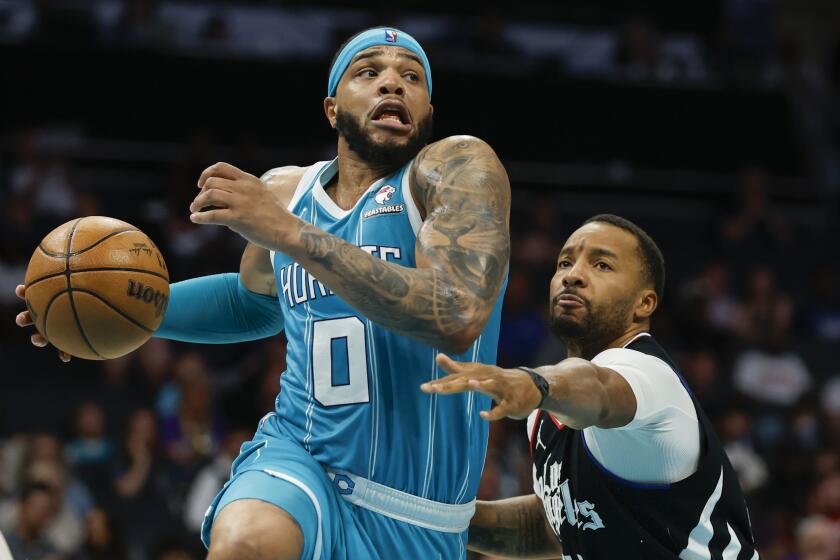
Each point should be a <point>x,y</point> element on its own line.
<point>373,262</point>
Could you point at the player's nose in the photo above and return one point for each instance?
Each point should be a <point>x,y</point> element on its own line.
<point>390,84</point>
<point>574,277</point>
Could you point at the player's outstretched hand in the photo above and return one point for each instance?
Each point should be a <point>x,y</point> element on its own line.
<point>512,389</point>
<point>24,319</point>
<point>236,199</point>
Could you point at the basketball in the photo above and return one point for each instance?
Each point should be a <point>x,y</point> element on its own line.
<point>97,288</point>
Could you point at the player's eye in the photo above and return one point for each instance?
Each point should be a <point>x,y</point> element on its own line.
<point>601,265</point>
<point>564,264</point>
<point>411,76</point>
<point>368,73</point>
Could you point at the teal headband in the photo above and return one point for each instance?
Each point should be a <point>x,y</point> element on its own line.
<point>379,36</point>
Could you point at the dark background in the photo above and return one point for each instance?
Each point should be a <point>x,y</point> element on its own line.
<point>714,124</point>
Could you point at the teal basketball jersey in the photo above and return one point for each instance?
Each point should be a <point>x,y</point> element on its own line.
<point>350,394</point>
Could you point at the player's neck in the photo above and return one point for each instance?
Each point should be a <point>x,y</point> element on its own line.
<point>355,176</point>
<point>588,349</point>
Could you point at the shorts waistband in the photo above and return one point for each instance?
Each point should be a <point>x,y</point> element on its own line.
<point>402,506</point>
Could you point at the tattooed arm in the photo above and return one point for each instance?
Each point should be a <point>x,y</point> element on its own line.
<point>462,247</point>
<point>513,528</point>
<point>462,251</point>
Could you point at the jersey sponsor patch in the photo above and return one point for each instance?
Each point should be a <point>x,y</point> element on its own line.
<point>384,194</point>
<point>382,210</point>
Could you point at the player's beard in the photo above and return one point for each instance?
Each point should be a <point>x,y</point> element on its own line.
<point>595,330</point>
<point>385,154</point>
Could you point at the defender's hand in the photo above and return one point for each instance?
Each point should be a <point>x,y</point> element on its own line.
<point>512,389</point>
<point>24,319</point>
<point>243,203</point>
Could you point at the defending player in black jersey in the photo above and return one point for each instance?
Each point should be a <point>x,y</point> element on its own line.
<point>625,462</point>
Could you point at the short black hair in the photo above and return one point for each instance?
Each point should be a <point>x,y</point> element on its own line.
<point>653,263</point>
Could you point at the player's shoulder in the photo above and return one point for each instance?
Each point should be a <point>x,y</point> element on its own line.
<point>621,358</point>
<point>282,181</point>
<point>455,146</point>
<point>451,155</point>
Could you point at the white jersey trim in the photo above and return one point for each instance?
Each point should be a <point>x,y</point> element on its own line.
<point>402,506</point>
<point>316,553</point>
<point>300,190</point>
<point>408,197</point>
<point>700,537</point>
<point>327,203</point>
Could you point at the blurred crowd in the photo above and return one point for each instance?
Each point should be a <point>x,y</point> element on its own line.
<point>120,459</point>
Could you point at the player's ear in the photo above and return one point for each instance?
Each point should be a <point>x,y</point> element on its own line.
<point>329,110</point>
<point>646,304</point>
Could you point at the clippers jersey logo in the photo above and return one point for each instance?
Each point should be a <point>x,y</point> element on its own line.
<point>560,506</point>
<point>384,194</point>
<point>390,36</point>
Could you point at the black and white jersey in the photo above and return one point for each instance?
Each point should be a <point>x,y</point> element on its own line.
<point>599,515</point>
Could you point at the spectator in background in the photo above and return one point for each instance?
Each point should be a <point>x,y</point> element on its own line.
<point>709,308</point>
<point>822,317</point>
<point>735,435</point>
<point>766,311</point>
<point>825,497</point>
<point>37,507</point>
<point>140,24</point>
<point>757,229</point>
<point>91,453</point>
<point>209,480</point>
<point>46,178</point>
<point>103,540</point>
<point>817,538</point>
<point>701,369</point>
<point>193,432</point>
<point>638,55</point>
<point>141,486</point>
<point>42,463</point>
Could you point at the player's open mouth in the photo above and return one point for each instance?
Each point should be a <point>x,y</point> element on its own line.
<point>392,115</point>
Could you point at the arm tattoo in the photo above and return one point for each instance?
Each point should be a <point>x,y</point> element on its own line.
<point>514,528</point>
<point>462,250</point>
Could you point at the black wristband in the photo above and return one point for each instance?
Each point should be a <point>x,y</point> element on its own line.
<point>540,382</point>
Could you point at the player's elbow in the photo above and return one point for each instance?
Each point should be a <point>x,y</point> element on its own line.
<point>469,329</point>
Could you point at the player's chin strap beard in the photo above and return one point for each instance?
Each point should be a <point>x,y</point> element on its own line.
<point>390,156</point>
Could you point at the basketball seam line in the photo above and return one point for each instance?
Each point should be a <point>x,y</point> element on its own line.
<point>47,310</point>
<point>68,272</point>
<point>97,269</point>
<point>85,249</point>
<point>114,308</point>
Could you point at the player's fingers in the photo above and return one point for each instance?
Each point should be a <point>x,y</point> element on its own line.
<point>38,340</point>
<point>20,291</point>
<point>446,385</point>
<point>219,183</point>
<point>217,198</point>
<point>220,169</point>
<point>63,356</point>
<point>447,364</point>
<point>23,319</point>
<point>218,217</point>
<point>489,387</point>
<point>497,412</point>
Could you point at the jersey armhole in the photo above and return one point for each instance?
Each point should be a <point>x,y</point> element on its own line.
<point>408,198</point>
<point>304,184</point>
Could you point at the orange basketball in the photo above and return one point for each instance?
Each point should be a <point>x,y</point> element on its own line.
<point>97,287</point>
